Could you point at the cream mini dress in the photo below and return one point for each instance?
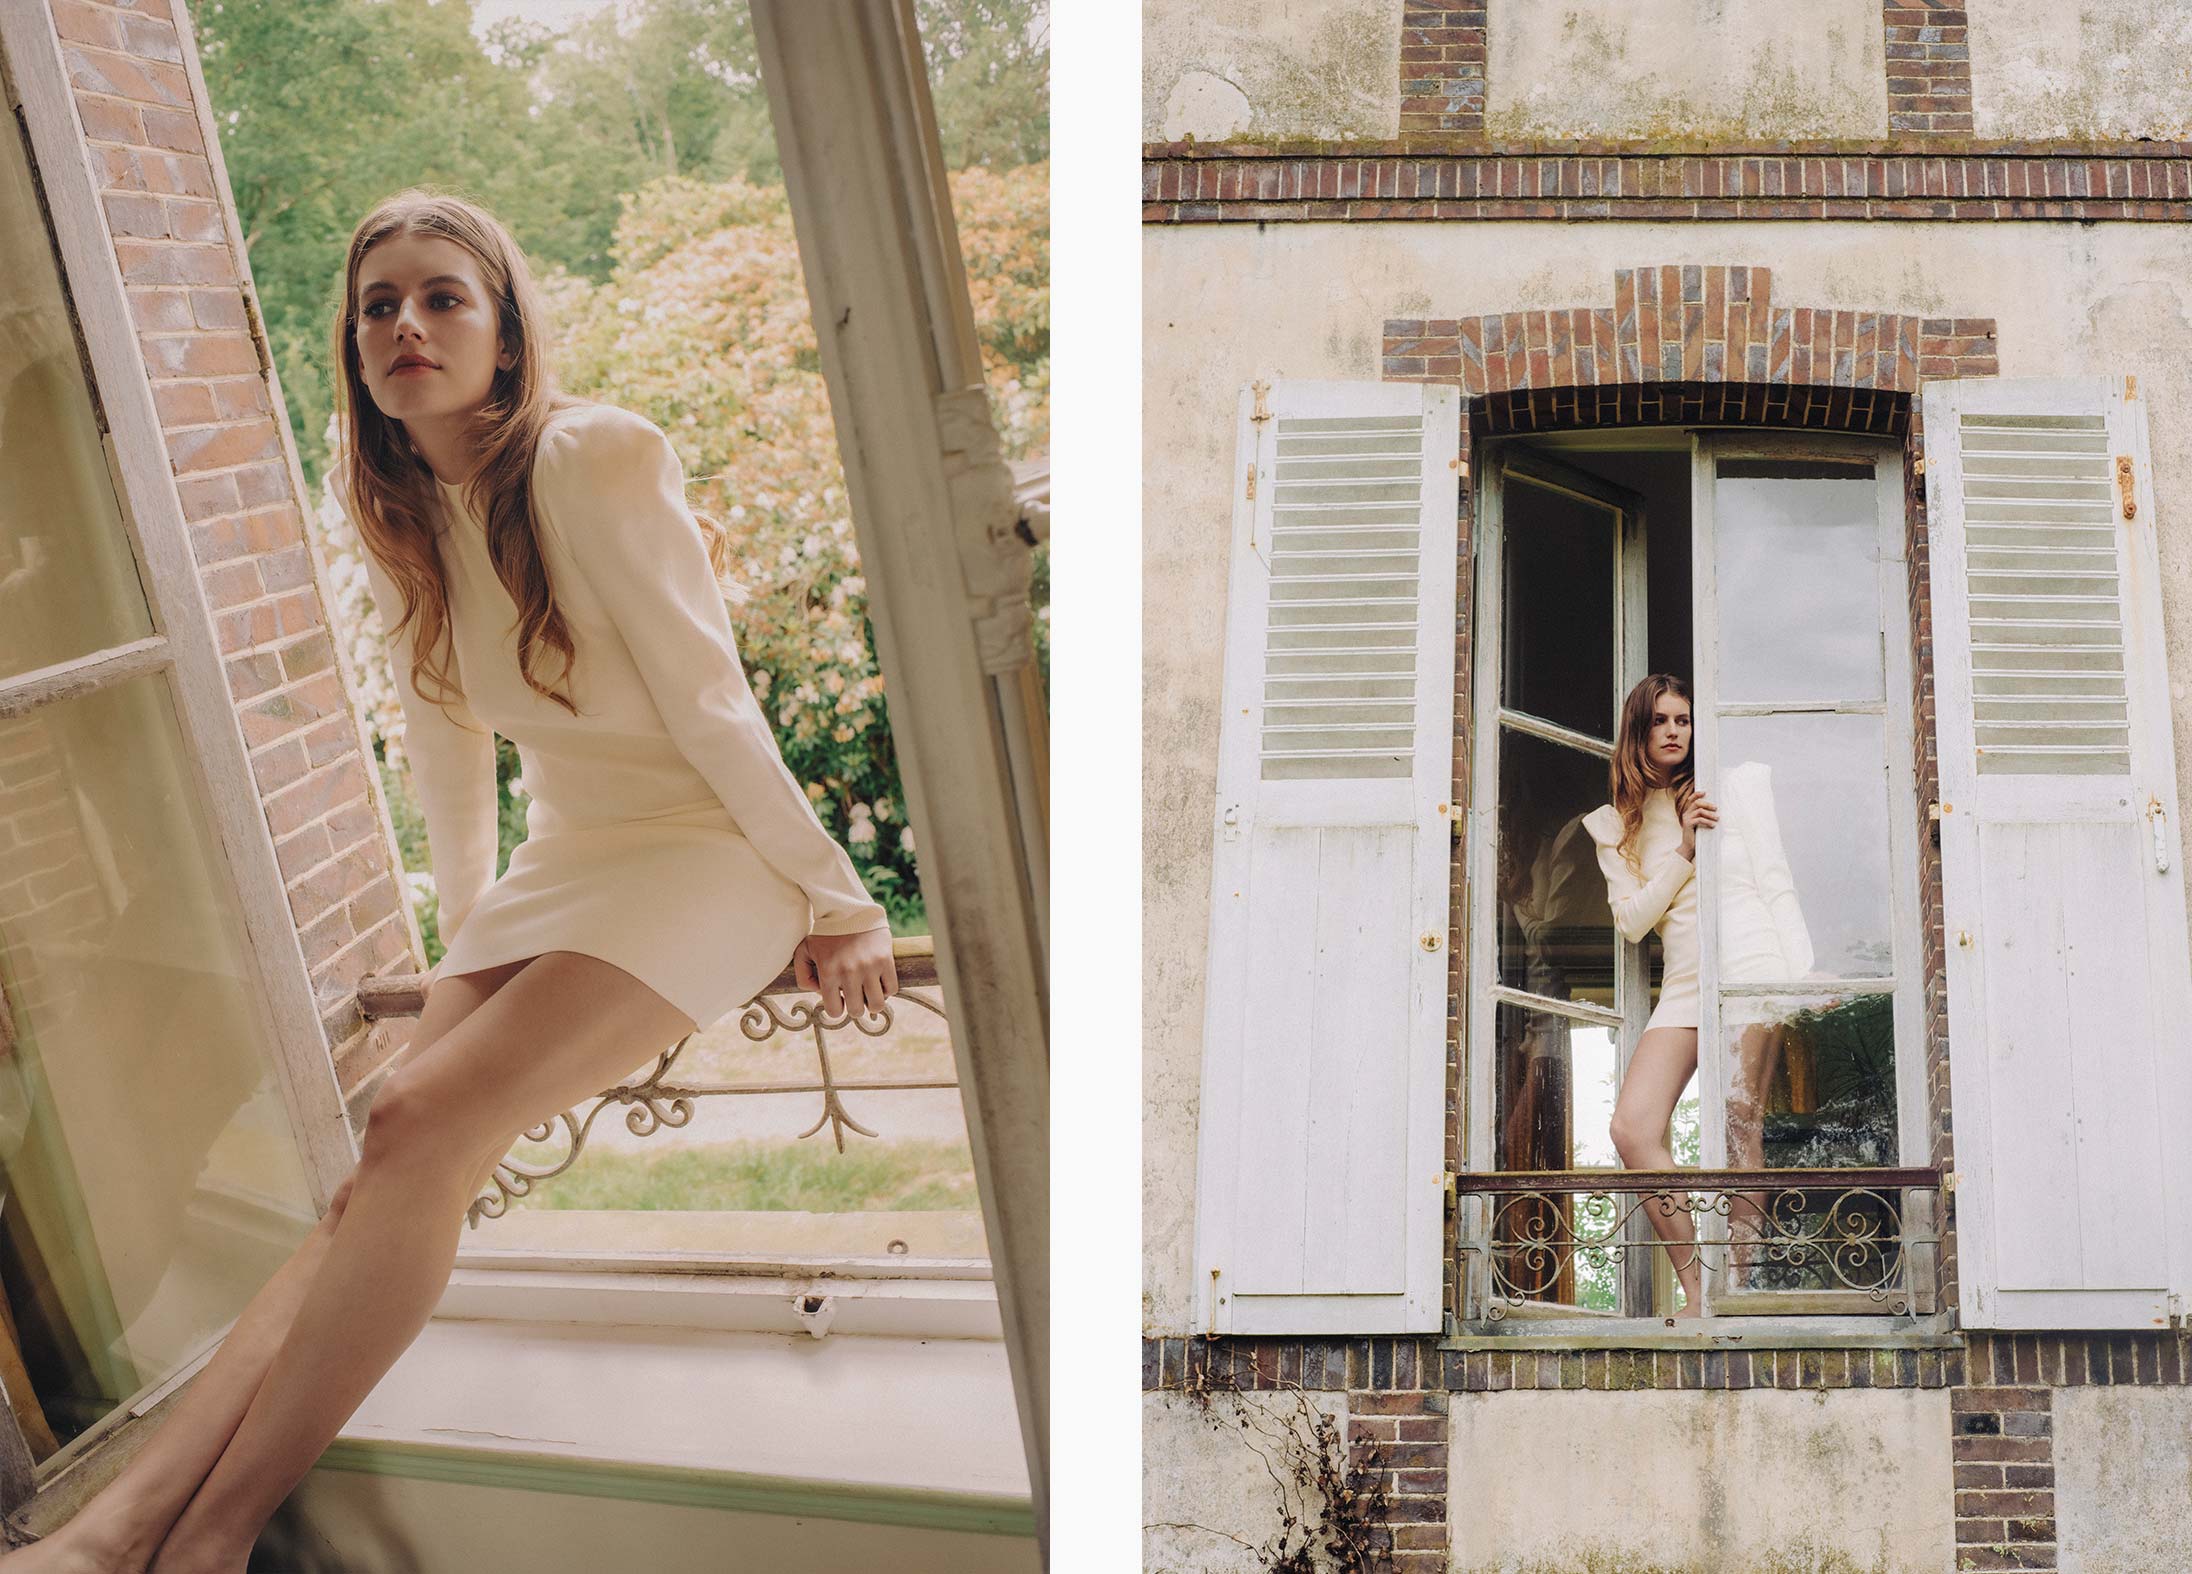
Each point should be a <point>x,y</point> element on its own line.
<point>1763,936</point>
<point>1662,897</point>
<point>664,834</point>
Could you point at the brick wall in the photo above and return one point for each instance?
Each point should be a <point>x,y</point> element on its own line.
<point>139,97</point>
<point>1442,51</point>
<point>1929,67</point>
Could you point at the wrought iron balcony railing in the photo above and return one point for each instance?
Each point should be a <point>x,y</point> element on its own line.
<point>1581,1243</point>
<point>661,1099</point>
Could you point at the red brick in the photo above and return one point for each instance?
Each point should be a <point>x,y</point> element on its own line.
<point>126,76</point>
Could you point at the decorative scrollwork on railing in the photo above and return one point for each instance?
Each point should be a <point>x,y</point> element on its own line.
<point>656,1100</point>
<point>1807,1230</point>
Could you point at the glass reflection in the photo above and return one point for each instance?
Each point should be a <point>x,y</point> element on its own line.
<point>150,1172</point>
<point>1558,618</point>
<point>1811,1085</point>
<point>1553,1101</point>
<point>68,579</point>
<point>1556,935</point>
<point>1803,849</point>
<point>1796,556</point>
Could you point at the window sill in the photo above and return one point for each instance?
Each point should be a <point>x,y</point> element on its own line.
<point>1714,1333</point>
<point>814,1300</point>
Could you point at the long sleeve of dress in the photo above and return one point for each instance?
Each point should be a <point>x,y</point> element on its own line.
<point>613,490</point>
<point>1637,904</point>
<point>452,755</point>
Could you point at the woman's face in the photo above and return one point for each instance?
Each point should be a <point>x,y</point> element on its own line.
<point>421,302</point>
<point>1669,742</point>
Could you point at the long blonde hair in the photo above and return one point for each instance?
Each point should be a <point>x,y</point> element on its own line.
<point>1631,777</point>
<point>393,499</point>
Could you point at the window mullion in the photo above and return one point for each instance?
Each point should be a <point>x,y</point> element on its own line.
<point>65,680</point>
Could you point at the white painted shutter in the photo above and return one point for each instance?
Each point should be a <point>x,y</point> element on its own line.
<point>1320,1188</point>
<point>2069,977</point>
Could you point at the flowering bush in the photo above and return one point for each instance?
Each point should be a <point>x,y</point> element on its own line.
<point>703,328</point>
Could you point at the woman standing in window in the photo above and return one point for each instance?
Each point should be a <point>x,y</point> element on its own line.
<point>1647,847</point>
<point>672,864</point>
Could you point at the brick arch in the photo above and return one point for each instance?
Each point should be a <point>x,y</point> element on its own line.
<point>1693,343</point>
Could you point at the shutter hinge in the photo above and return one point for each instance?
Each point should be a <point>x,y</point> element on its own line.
<point>1251,483</point>
<point>1936,809</point>
<point>1448,1180</point>
<point>1948,1183</point>
<point>2179,1313</point>
<point>1918,466</point>
<point>1262,412</point>
<point>2125,486</point>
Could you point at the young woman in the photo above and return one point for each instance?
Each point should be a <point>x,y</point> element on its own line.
<point>1647,848</point>
<point>672,865</point>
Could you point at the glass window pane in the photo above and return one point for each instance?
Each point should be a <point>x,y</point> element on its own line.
<point>1803,888</point>
<point>1796,557</point>
<point>151,1177</point>
<point>1553,1104</point>
<point>1556,935</point>
<point>1559,609</point>
<point>1811,1085</point>
<point>68,580</point>
<point>1555,1096</point>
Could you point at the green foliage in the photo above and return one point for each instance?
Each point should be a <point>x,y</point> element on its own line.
<point>898,1177</point>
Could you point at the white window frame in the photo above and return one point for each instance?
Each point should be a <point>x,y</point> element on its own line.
<point>1823,1314</point>
<point>183,647</point>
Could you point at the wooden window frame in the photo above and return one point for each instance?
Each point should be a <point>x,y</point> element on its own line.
<point>1761,1314</point>
<point>183,648</point>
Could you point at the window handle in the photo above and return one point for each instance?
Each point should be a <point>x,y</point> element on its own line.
<point>2158,817</point>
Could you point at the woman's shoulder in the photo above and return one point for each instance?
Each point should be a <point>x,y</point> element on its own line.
<point>1604,824</point>
<point>587,437</point>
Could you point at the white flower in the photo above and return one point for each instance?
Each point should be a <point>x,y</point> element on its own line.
<point>811,547</point>
<point>861,832</point>
<point>627,306</point>
<point>517,787</point>
<point>905,838</point>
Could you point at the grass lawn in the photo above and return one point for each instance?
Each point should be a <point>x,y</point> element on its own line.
<point>813,1177</point>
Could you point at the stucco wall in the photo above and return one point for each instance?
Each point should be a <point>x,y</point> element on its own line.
<point>1849,1481</point>
<point>2123,69</point>
<point>1225,304</point>
<point>2123,1478</point>
<point>1688,69</point>
<point>1210,1484</point>
<point>1268,69</point>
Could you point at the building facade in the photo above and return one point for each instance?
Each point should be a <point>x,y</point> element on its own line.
<point>1833,358</point>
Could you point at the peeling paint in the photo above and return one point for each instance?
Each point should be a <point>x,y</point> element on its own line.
<point>1327,69</point>
<point>1694,70</point>
<point>2117,70</point>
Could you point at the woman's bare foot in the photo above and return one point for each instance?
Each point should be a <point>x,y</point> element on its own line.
<point>78,1547</point>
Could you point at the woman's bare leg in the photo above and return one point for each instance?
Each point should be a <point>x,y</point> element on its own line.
<point>568,1026</point>
<point>1659,1069</point>
<point>118,1531</point>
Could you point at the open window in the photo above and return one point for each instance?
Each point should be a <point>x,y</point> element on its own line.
<point>170,1127</point>
<point>1768,569</point>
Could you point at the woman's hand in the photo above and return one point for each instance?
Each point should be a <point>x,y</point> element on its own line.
<point>1696,810</point>
<point>852,973</point>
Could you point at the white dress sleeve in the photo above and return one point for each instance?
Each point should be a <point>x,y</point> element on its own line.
<point>1637,904</point>
<point>613,490</point>
<point>452,755</point>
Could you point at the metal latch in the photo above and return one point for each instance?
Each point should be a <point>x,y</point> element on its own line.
<point>2124,487</point>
